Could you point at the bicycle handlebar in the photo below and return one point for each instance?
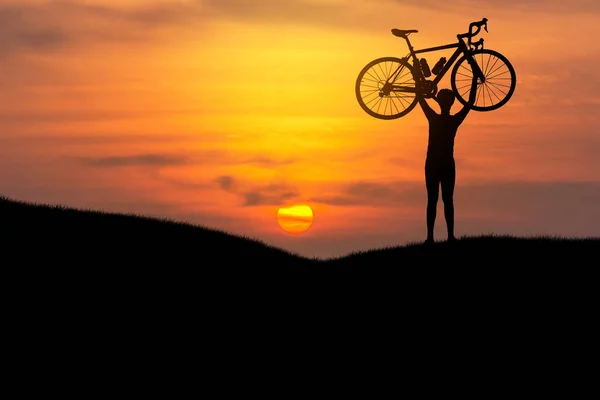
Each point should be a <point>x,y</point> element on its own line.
<point>477,25</point>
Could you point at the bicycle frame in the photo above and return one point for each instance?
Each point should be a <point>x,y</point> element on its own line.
<point>461,48</point>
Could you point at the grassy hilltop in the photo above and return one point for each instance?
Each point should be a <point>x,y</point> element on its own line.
<point>68,236</point>
<point>133,288</point>
<point>55,235</point>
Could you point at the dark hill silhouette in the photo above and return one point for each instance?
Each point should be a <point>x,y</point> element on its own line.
<point>68,266</point>
<point>70,237</point>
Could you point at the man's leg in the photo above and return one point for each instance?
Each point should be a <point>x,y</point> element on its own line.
<point>448,182</point>
<point>433,186</point>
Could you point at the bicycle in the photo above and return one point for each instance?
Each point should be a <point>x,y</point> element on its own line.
<point>379,81</point>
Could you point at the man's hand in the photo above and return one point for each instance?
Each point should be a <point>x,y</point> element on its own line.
<point>416,77</point>
<point>429,113</point>
<point>415,73</point>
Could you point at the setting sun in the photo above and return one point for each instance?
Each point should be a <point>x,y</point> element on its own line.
<point>296,219</point>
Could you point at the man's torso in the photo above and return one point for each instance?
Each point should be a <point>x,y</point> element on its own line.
<point>442,131</point>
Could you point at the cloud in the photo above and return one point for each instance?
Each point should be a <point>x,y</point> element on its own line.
<point>15,32</point>
<point>529,6</point>
<point>83,115</point>
<point>52,25</point>
<point>401,161</point>
<point>268,162</point>
<point>51,140</point>
<point>48,26</point>
<point>374,194</point>
<point>275,194</point>
<point>153,160</point>
<point>258,198</point>
<point>214,156</point>
<point>225,182</point>
<point>547,205</point>
<point>280,12</point>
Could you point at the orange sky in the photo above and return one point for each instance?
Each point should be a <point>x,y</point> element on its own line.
<point>219,112</point>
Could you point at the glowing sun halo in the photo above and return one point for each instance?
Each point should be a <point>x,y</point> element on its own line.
<point>296,219</point>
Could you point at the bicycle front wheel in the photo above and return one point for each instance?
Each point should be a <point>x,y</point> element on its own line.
<point>385,88</point>
<point>499,85</point>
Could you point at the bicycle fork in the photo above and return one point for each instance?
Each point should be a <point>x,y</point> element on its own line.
<point>475,68</point>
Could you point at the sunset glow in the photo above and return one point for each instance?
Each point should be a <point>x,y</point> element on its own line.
<point>226,112</point>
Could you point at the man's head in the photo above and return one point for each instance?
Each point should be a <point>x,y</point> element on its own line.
<point>445,99</point>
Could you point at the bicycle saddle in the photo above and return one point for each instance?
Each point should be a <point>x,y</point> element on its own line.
<point>402,33</point>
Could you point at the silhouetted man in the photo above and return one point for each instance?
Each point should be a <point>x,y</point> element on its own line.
<point>439,165</point>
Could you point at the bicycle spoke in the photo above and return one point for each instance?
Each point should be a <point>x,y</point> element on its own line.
<point>383,72</point>
<point>403,82</point>
<point>465,67</point>
<point>370,94</point>
<point>372,80</point>
<point>401,76</point>
<point>376,76</point>
<point>489,94</point>
<point>468,76</point>
<point>483,94</point>
<point>379,104</point>
<point>464,86</point>
<point>494,93</point>
<point>494,70</point>
<point>501,73</point>
<point>374,99</point>
<point>408,79</point>
<point>369,97</point>
<point>497,84</point>
<point>402,99</point>
<point>486,65</point>
<point>466,91</point>
<point>370,91</point>
<point>500,90</point>
<point>375,79</point>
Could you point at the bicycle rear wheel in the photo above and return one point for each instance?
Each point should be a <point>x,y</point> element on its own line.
<point>385,88</point>
<point>499,85</point>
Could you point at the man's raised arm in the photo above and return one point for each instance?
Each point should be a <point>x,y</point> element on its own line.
<point>472,96</point>
<point>429,113</point>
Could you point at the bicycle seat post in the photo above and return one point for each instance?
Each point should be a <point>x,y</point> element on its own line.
<point>410,48</point>
<point>404,35</point>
